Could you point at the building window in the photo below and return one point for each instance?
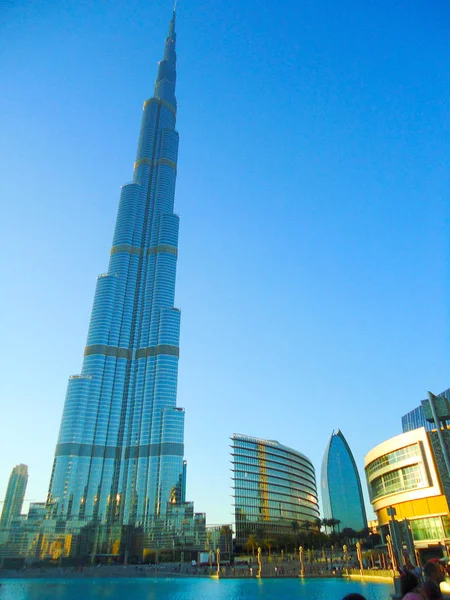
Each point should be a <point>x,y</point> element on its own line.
<point>427,529</point>
<point>397,481</point>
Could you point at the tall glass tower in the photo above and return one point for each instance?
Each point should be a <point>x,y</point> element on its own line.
<point>342,497</point>
<point>15,494</point>
<point>119,455</point>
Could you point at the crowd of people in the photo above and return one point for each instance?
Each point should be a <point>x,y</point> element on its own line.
<point>417,585</point>
<point>414,588</point>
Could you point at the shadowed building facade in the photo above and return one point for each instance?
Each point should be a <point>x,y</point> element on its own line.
<point>342,497</point>
<point>273,486</point>
<point>119,454</point>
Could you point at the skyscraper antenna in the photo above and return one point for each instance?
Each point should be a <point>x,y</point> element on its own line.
<point>175,6</point>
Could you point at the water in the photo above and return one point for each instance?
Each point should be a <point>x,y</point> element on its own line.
<point>189,589</point>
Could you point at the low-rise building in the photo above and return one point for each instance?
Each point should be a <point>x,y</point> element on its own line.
<point>405,485</point>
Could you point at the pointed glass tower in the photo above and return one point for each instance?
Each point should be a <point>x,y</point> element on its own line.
<point>119,455</point>
<point>342,497</point>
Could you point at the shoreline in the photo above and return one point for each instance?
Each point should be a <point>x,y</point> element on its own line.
<point>141,573</point>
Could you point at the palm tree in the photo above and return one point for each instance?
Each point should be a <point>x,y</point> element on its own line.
<point>307,525</point>
<point>332,523</point>
<point>268,544</point>
<point>227,533</point>
<point>349,534</point>
<point>260,534</point>
<point>251,543</point>
<point>295,527</point>
<point>326,523</point>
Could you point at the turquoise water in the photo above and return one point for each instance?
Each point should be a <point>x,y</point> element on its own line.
<point>188,589</point>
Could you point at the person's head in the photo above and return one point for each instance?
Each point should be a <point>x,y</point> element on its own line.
<point>354,596</point>
<point>433,570</point>
<point>408,582</point>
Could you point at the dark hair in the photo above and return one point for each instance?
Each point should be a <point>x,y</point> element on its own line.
<point>430,567</point>
<point>353,596</point>
<point>408,582</point>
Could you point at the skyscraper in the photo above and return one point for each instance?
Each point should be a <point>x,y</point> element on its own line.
<point>119,454</point>
<point>15,493</point>
<point>342,497</point>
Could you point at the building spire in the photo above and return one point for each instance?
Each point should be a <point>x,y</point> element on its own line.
<point>172,22</point>
<point>166,79</point>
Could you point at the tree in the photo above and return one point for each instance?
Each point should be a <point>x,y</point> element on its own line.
<point>286,540</point>
<point>251,543</point>
<point>295,527</point>
<point>326,523</point>
<point>268,544</point>
<point>227,532</point>
<point>260,534</point>
<point>349,534</point>
<point>332,523</point>
<point>307,525</point>
<point>363,534</point>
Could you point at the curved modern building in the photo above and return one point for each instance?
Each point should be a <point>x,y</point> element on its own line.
<point>342,497</point>
<point>273,486</point>
<point>407,476</point>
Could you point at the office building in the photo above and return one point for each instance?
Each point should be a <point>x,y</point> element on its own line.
<point>119,455</point>
<point>15,493</point>
<point>274,486</point>
<point>342,497</point>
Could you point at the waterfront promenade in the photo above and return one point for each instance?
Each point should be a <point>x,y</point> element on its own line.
<point>282,570</point>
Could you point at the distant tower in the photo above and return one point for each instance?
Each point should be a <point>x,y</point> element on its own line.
<point>14,495</point>
<point>342,497</point>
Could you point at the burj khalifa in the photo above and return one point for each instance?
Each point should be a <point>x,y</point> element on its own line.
<point>119,454</point>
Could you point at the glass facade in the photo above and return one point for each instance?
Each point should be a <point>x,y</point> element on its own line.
<point>119,454</point>
<point>393,458</point>
<point>398,471</point>
<point>15,493</point>
<point>431,528</point>
<point>400,480</point>
<point>342,497</point>
<point>273,486</point>
<point>416,417</point>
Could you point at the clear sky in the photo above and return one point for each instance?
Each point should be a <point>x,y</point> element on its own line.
<point>313,188</point>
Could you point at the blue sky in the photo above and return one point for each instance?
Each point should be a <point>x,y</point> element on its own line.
<point>313,193</point>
